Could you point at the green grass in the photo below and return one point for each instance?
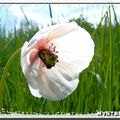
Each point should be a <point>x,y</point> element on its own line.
<point>99,86</point>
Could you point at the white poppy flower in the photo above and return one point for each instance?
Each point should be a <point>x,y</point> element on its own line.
<point>52,60</point>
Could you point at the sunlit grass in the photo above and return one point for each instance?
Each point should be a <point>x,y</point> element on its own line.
<point>98,89</point>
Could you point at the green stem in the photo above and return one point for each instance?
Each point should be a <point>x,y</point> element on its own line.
<point>43,106</point>
<point>9,62</point>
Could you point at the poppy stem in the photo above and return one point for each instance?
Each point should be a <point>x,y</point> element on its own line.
<point>2,81</point>
<point>43,106</point>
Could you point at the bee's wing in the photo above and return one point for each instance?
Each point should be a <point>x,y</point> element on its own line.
<point>62,30</point>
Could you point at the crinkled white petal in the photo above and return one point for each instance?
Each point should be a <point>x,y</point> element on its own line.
<point>56,83</point>
<point>75,51</point>
<point>29,71</point>
<point>23,56</point>
<point>34,92</point>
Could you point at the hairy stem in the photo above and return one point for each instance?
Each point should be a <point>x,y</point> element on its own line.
<point>9,62</point>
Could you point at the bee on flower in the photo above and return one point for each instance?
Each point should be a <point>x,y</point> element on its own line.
<point>52,60</point>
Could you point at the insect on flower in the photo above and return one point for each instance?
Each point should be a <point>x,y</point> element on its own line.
<point>52,60</point>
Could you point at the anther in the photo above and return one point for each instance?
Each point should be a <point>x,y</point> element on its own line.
<point>48,57</point>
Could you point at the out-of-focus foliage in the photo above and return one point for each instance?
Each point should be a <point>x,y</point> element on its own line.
<point>84,23</point>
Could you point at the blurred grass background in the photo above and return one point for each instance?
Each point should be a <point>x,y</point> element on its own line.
<point>99,86</point>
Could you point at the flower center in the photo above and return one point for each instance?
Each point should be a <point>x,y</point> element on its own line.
<point>48,57</point>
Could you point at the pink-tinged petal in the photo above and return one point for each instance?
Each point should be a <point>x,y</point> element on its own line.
<point>33,57</point>
<point>62,30</point>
